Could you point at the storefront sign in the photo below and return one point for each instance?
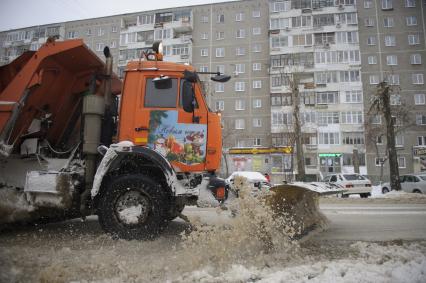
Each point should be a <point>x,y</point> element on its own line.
<point>329,154</point>
<point>419,151</point>
<point>256,150</point>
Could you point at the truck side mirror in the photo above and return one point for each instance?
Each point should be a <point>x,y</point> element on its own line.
<point>187,97</point>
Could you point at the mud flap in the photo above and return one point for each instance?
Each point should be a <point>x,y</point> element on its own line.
<point>298,203</point>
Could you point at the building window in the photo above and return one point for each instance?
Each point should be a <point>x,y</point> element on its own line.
<point>204,68</point>
<point>390,40</point>
<point>114,29</point>
<point>240,143</point>
<point>388,22</point>
<point>257,122</point>
<point>353,138</point>
<point>379,139</point>
<point>327,118</point>
<point>220,19</point>
<point>387,4</point>
<point>393,79</point>
<point>220,69</point>
<point>376,119</point>
<point>100,46</point>
<point>327,97</point>
<point>257,66</point>
<point>328,138</point>
<point>411,20</point>
<point>240,86</point>
<point>369,22</point>
<point>420,119</point>
<point>240,51</point>
<point>391,60</point>
<point>415,59</point>
<point>220,35</point>
<point>257,103</point>
<point>256,31</point>
<point>240,68</point>
<point>372,60</point>
<point>399,140</point>
<point>282,99</point>
<point>220,52</point>
<point>101,31</point>
<point>419,99</point>
<point>239,17</point>
<point>239,124</point>
<point>280,23</point>
<point>371,40</point>
<point>280,118</point>
<point>220,105</point>
<point>352,117</point>
<point>256,14</point>
<point>89,32</point>
<point>204,52</point>
<point>417,79</point>
<point>280,6</point>
<point>279,41</point>
<point>257,47</point>
<point>72,34</point>
<point>204,19</point>
<point>219,87</point>
<point>374,79</point>
<point>353,96</point>
<point>413,39</point>
<point>162,34</point>
<point>256,142</point>
<point>395,99</point>
<point>240,104</point>
<point>421,140</point>
<point>257,84</point>
<point>410,3</point>
<point>241,33</point>
<point>368,4</point>
<point>113,44</point>
<point>204,36</point>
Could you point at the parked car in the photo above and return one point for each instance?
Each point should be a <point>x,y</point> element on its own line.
<point>256,179</point>
<point>410,183</point>
<point>351,183</point>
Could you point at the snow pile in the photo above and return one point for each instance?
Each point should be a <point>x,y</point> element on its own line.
<point>253,235</point>
<point>13,205</point>
<point>401,195</point>
<point>375,263</point>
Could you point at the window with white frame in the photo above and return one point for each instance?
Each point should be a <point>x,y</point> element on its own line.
<point>374,79</point>
<point>327,97</point>
<point>204,19</point>
<point>100,46</point>
<point>415,59</point>
<point>413,39</point>
<point>240,68</point>
<point>349,76</point>
<point>220,19</point>
<point>388,22</point>
<point>280,6</point>
<point>401,162</point>
<point>257,47</point>
<point>410,3</point>
<point>379,160</point>
<point>219,87</point>
<point>240,86</point>
<point>203,68</point>
<point>113,44</point>
<point>399,140</point>
<point>380,139</point>
<point>257,84</point>
<point>393,79</point>
<point>241,33</point>
<point>220,105</point>
<point>368,4</point>
<point>306,39</point>
<point>417,79</point>
<point>419,99</point>
<point>421,140</point>
<point>220,35</point>
<point>353,96</point>
<point>352,117</point>
<point>411,20</point>
<point>101,31</point>
<point>239,124</point>
<point>220,69</point>
<point>391,60</point>
<point>257,66</point>
<point>347,37</point>
<point>240,51</point>
<point>369,22</point>
<point>114,29</point>
<point>328,138</point>
<point>239,17</point>
<point>372,60</point>
<point>326,77</point>
<point>204,36</point>
<point>309,117</point>
<point>257,142</point>
<point>327,118</point>
<point>390,40</point>
<point>162,34</point>
<point>420,119</point>
<point>240,104</point>
<point>240,143</point>
<point>279,41</point>
<point>371,40</point>
<point>204,52</point>
<point>387,4</point>
<point>257,122</point>
<point>395,99</point>
<point>255,13</point>
<point>281,118</point>
<point>353,138</point>
<point>256,30</point>
<point>145,19</point>
<point>257,103</point>
<point>376,119</point>
<point>220,52</point>
<point>89,32</point>
<point>72,34</point>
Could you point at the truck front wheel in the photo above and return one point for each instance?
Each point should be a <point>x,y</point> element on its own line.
<point>131,208</point>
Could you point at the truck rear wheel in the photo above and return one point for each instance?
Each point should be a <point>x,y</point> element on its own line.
<point>131,208</point>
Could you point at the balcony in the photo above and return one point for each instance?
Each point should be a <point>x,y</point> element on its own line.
<point>310,147</point>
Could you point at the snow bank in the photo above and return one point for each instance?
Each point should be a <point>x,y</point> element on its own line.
<point>399,195</point>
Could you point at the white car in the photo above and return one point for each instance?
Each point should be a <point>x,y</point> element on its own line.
<point>256,179</point>
<point>410,183</point>
<point>351,183</point>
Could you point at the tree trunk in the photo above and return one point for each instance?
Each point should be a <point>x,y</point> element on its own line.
<point>301,175</point>
<point>390,137</point>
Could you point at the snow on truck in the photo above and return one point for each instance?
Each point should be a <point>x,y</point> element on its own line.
<point>69,148</point>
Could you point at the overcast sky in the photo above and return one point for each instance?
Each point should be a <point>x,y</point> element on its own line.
<point>23,13</point>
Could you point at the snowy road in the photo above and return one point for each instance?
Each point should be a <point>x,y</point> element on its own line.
<point>366,241</point>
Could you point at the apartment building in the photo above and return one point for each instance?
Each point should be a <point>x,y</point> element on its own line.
<point>392,43</point>
<point>315,48</point>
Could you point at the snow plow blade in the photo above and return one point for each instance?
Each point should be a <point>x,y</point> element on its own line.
<point>298,203</point>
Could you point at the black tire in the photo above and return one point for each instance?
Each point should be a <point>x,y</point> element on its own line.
<point>365,195</point>
<point>385,190</point>
<point>123,194</point>
<point>345,195</point>
<point>417,191</point>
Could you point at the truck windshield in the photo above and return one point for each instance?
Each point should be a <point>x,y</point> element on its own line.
<point>160,97</point>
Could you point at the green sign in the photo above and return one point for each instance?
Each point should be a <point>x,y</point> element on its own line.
<point>329,154</point>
